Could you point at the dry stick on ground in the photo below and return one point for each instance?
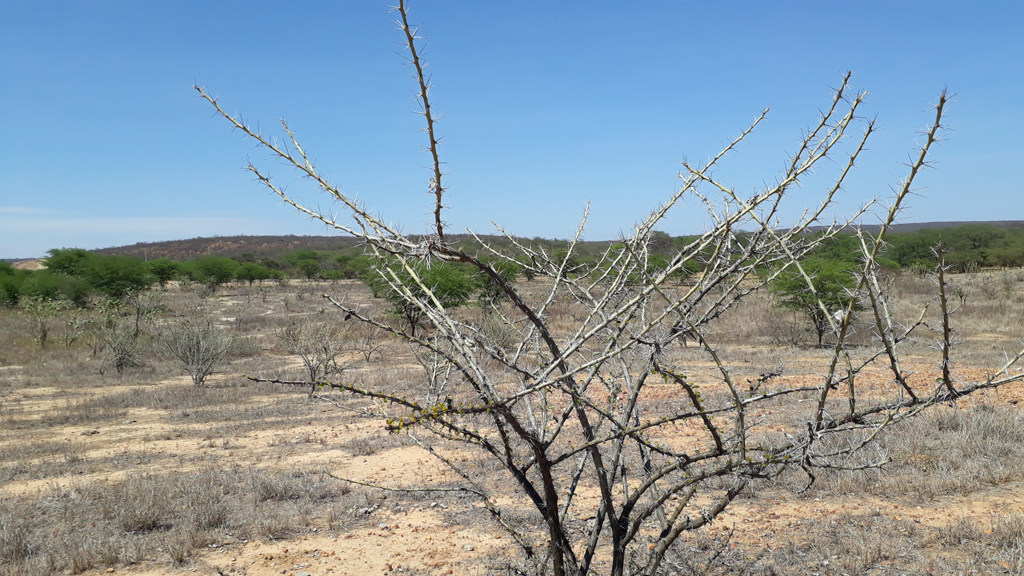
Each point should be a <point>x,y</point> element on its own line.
<point>570,408</point>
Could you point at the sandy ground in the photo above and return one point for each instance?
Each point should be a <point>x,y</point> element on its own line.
<point>418,537</point>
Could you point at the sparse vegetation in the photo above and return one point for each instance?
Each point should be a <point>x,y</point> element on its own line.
<point>318,340</point>
<point>196,342</point>
<point>565,428</point>
<point>570,413</point>
<point>562,416</point>
<point>218,497</point>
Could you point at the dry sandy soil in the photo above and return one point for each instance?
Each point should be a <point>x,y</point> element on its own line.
<point>30,265</point>
<point>70,432</point>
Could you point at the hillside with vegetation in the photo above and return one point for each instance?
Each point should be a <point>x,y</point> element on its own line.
<point>131,444</point>
<point>73,274</point>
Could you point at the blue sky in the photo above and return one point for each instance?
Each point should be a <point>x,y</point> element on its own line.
<point>548,106</point>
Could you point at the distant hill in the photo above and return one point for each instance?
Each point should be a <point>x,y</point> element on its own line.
<point>272,246</point>
<point>915,226</point>
<point>262,246</point>
<point>258,246</point>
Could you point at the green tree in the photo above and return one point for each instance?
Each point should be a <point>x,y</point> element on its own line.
<point>570,264</point>
<point>834,283</point>
<point>42,284</point>
<point>295,257</point>
<point>311,268</point>
<point>68,261</point>
<point>450,284</point>
<point>65,276</point>
<point>661,243</point>
<point>164,270</point>
<point>309,262</point>
<point>78,272</point>
<point>251,272</point>
<point>116,276</point>
<point>214,271</point>
<point>491,293</point>
<point>10,284</point>
<point>353,267</point>
<point>1006,256</point>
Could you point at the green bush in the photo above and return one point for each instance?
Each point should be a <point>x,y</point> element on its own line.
<point>116,276</point>
<point>251,272</point>
<point>67,261</point>
<point>74,273</point>
<point>490,292</point>
<point>352,267</point>
<point>311,268</point>
<point>834,283</point>
<point>213,271</point>
<point>10,284</point>
<point>42,284</point>
<point>451,284</point>
<point>164,270</point>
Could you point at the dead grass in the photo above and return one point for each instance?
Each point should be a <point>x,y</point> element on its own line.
<point>144,470</point>
<point>947,451</point>
<point>81,525</point>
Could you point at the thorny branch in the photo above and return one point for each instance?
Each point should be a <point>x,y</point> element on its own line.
<point>567,410</point>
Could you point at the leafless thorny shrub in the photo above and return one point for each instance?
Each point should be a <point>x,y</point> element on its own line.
<point>120,325</point>
<point>198,344</point>
<point>368,342</point>
<point>318,340</point>
<point>566,410</point>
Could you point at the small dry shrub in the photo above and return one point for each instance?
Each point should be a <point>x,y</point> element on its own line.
<point>138,504</point>
<point>271,522</point>
<point>945,451</point>
<point>204,499</point>
<point>1007,531</point>
<point>16,543</point>
<point>181,544</point>
<point>79,526</point>
<point>959,532</point>
<point>708,554</point>
<point>1009,279</point>
<point>257,321</point>
<point>163,397</point>
<point>198,344</point>
<point>783,328</point>
<point>16,347</point>
<point>370,445</point>
<point>851,544</point>
<point>499,331</point>
<point>28,450</point>
<point>368,340</point>
<point>318,339</point>
<point>293,485</point>
<point>245,347</point>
